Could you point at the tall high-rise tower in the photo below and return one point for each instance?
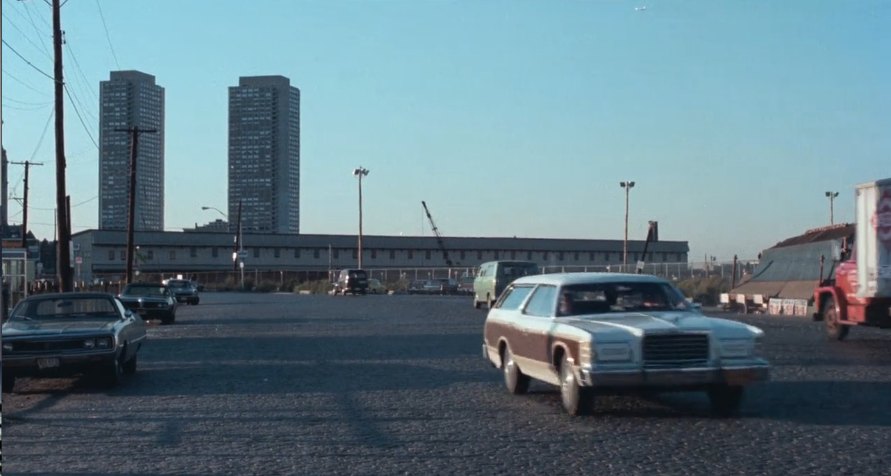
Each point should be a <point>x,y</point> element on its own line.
<point>264,154</point>
<point>131,99</point>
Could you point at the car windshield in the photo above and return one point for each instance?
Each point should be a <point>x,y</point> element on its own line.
<point>144,291</point>
<point>600,298</point>
<point>65,308</point>
<point>178,284</point>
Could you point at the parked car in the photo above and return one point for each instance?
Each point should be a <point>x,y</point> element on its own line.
<point>418,287</point>
<point>151,301</point>
<point>494,276</point>
<point>64,334</point>
<point>605,331</point>
<point>183,290</point>
<point>376,287</point>
<point>353,281</point>
<point>465,285</point>
<point>444,286</point>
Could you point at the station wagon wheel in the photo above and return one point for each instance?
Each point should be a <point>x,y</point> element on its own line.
<point>577,400</point>
<point>515,380</point>
<point>835,330</point>
<point>725,399</point>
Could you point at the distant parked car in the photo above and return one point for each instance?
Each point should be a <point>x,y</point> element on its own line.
<point>150,301</point>
<point>465,285</point>
<point>353,281</point>
<point>376,287</point>
<point>418,287</point>
<point>183,290</point>
<point>617,332</point>
<point>445,286</point>
<point>64,334</point>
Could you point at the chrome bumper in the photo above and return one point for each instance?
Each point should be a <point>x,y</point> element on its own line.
<point>730,375</point>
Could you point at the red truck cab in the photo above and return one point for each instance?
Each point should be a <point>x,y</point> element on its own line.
<point>838,305</point>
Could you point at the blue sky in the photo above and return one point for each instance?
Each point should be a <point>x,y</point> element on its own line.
<point>509,118</point>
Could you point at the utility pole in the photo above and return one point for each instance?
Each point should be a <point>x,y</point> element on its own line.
<point>831,196</point>
<point>27,165</point>
<point>360,172</point>
<point>627,186</point>
<point>131,216</point>
<point>63,246</point>
<point>235,255</point>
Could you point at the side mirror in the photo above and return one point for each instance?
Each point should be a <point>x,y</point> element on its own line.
<point>128,314</point>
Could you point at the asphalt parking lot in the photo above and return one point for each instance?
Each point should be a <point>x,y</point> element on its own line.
<point>287,384</point>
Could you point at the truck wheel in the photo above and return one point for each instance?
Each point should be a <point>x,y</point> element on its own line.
<point>835,330</point>
<point>476,304</point>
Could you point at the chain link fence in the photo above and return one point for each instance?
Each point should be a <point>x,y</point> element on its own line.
<point>398,279</point>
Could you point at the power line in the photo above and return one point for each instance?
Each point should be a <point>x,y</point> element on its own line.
<point>28,103</point>
<point>25,36</point>
<point>84,84</point>
<point>43,134</point>
<point>23,108</point>
<point>82,123</point>
<point>32,88</point>
<point>26,61</point>
<point>107,36</point>
<point>94,197</point>
<point>31,20</point>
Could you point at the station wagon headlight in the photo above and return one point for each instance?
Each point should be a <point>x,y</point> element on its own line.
<point>90,344</point>
<point>620,352</point>
<point>7,347</point>
<point>737,348</point>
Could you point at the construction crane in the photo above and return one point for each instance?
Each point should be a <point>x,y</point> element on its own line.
<point>445,253</point>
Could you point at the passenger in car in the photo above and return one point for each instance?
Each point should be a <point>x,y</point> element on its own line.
<point>566,305</point>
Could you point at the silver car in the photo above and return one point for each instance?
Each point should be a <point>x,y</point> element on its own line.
<point>602,332</point>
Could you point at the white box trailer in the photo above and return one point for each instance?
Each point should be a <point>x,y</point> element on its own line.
<point>873,239</point>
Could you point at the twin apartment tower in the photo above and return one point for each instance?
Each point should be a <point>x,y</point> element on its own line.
<point>264,153</point>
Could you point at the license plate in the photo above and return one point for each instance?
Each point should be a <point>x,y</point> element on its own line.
<point>47,363</point>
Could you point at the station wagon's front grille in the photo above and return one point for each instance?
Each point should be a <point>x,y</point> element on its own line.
<point>675,350</point>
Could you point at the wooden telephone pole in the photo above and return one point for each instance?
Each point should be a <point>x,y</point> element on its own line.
<point>63,248</point>
<point>131,216</point>
<point>27,165</point>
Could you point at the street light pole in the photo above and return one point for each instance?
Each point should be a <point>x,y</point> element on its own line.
<point>237,246</point>
<point>831,196</point>
<point>627,186</point>
<point>360,172</point>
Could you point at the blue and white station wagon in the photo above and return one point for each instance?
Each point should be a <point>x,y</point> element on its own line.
<point>599,332</point>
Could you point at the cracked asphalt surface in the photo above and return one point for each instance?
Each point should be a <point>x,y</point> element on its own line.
<point>288,384</point>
